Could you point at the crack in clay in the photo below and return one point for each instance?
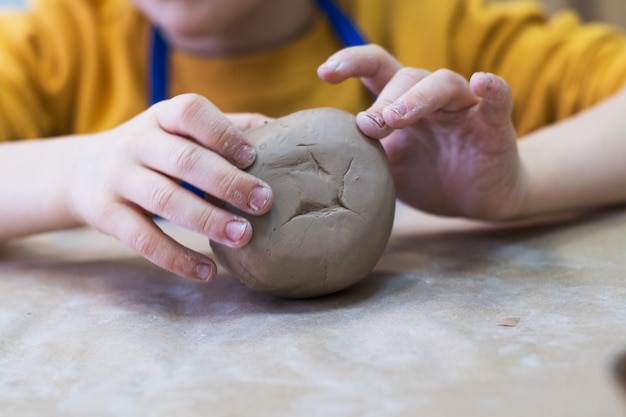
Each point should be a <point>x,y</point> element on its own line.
<point>304,232</point>
<point>340,194</point>
<point>320,167</point>
<point>341,204</point>
<point>347,171</point>
<point>312,209</point>
<point>294,163</point>
<point>308,207</point>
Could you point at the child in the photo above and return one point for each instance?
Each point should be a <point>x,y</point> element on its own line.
<point>76,71</point>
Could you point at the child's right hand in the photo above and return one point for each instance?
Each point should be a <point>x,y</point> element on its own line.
<point>133,172</point>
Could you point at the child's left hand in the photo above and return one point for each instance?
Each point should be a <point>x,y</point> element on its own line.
<point>451,143</point>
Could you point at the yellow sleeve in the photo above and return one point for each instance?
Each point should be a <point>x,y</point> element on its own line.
<point>69,66</point>
<point>555,66</point>
<point>30,72</point>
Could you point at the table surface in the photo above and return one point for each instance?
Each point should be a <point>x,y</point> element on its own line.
<point>458,318</point>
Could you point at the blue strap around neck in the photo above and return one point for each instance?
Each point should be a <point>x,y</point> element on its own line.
<point>159,68</point>
<point>347,32</point>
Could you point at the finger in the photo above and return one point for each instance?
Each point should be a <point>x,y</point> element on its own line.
<point>245,121</point>
<point>497,101</point>
<point>443,90</point>
<point>371,63</point>
<point>194,117</point>
<point>162,196</point>
<point>141,234</point>
<point>371,121</point>
<point>187,161</point>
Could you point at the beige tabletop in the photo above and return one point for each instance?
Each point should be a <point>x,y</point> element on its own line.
<point>458,319</point>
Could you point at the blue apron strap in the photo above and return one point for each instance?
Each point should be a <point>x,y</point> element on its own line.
<point>345,29</point>
<point>159,82</point>
<point>159,68</point>
<point>347,32</point>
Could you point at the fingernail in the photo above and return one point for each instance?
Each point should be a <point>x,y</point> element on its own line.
<point>235,230</point>
<point>376,118</point>
<point>204,272</point>
<point>398,108</point>
<point>245,156</point>
<point>260,197</point>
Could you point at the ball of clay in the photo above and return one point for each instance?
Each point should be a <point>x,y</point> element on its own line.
<point>333,207</point>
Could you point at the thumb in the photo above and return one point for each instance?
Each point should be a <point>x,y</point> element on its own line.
<point>497,101</point>
<point>245,121</point>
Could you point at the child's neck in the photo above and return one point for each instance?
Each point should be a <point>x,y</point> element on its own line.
<point>275,23</point>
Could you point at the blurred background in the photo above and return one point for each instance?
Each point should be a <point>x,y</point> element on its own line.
<point>11,2</point>
<point>612,11</point>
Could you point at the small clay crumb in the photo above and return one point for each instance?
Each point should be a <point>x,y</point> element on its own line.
<point>509,322</point>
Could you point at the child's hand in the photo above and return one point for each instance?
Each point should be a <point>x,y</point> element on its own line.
<point>133,171</point>
<point>451,144</point>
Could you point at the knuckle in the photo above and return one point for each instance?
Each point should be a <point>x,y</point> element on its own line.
<point>449,76</point>
<point>183,109</point>
<point>375,49</point>
<point>413,74</point>
<point>209,126</point>
<point>419,96</point>
<point>156,250</point>
<point>161,197</point>
<point>230,188</point>
<point>208,220</point>
<point>383,56</point>
<point>189,105</point>
<point>144,243</point>
<point>185,158</point>
<point>445,73</point>
<point>222,135</point>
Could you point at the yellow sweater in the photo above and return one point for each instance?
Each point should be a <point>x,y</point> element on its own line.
<point>76,66</point>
